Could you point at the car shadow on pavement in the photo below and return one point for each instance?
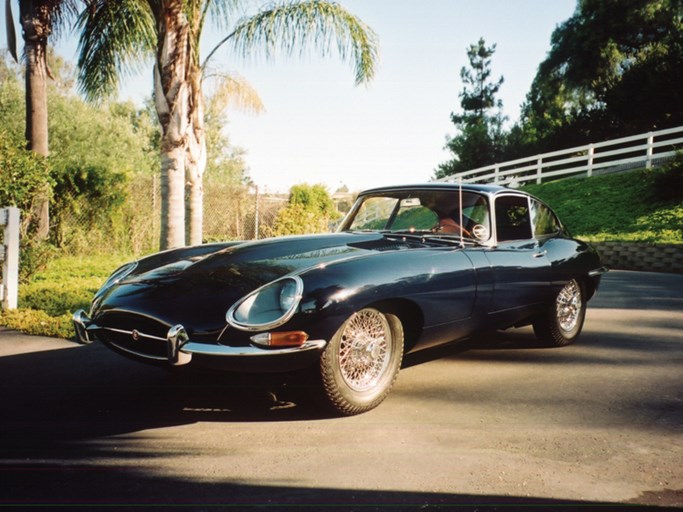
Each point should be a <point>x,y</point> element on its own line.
<point>89,487</point>
<point>91,391</point>
<point>71,418</point>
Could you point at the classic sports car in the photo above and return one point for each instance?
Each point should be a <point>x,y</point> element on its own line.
<point>409,267</point>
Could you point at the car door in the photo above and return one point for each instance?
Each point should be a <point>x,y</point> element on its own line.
<point>519,263</point>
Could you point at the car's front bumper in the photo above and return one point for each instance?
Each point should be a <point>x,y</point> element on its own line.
<point>180,350</point>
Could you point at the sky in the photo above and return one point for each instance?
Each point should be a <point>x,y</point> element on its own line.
<point>319,127</point>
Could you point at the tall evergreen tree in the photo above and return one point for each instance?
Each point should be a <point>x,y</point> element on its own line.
<point>479,125</point>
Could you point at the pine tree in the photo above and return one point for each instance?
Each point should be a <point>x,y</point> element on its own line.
<point>479,136</point>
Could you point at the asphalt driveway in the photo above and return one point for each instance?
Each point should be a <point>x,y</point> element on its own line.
<point>494,423</point>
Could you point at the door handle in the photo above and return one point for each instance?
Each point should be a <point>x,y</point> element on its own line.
<point>540,254</point>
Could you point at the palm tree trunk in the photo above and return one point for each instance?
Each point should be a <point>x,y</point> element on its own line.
<point>172,94</point>
<point>195,162</point>
<point>35,42</point>
<point>36,97</point>
<point>194,205</point>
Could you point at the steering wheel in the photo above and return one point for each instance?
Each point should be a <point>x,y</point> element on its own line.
<point>448,225</point>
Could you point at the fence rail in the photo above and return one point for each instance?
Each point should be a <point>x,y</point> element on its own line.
<point>646,149</point>
<point>9,257</point>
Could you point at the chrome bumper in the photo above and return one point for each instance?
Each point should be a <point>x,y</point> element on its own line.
<point>180,349</point>
<point>598,272</point>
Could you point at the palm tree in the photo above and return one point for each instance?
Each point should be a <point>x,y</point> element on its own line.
<point>117,34</point>
<point>39,20</point>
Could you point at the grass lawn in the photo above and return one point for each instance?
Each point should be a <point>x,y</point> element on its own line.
<point>620,207</point>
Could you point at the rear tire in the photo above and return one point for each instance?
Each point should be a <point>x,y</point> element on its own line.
<point>361,361</point>
<point>563,321</point>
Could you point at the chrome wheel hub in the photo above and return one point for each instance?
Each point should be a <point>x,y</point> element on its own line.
<point>365,349</point>
<point>568,306</point>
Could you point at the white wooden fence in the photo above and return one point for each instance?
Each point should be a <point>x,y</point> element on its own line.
<point>9,257</point>
<point>644,150</point>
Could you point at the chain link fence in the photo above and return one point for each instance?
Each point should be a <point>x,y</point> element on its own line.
<point>231,212</point>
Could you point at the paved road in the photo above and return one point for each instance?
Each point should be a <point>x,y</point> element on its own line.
<point>493,424</point>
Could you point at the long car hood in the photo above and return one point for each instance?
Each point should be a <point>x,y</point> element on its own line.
<point>197,291</point>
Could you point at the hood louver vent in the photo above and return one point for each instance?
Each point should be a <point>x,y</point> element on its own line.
<point>381,245</point>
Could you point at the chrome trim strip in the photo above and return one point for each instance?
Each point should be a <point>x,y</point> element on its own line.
<point>224,351</point>
<point>598,272</point>
<point>130,333</point>
<point>190,348</point>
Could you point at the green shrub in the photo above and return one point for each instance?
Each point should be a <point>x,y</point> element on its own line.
<point>57,298</point>
<point>68,283</point>
<point>38,323</point>
<point>310,210</point>
<point>35,256</point>
<point>24,175</point>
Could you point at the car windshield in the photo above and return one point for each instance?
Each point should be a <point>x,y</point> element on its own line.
<point>421,211</point>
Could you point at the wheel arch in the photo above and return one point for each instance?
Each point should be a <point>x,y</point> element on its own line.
<point>588,285</point>
<point>410,315</point>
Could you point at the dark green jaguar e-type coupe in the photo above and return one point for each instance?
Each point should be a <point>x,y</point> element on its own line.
<point>409,267</point>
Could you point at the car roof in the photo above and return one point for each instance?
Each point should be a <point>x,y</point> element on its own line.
<point>467,187</point>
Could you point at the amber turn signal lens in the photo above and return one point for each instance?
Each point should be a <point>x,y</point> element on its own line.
<point>288,339</point>
<point>281,339</point>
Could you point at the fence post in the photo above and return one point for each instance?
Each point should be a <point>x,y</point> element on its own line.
<point>648,153</point>
<point>9,218</point>
<point>591,154</point>
<point>539,169</point>
<point>496,174</point>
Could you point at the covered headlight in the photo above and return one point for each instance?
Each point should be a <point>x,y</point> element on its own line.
<point>267,307</point>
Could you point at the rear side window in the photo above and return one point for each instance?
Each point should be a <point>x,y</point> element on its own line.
<point>544,220</point>
<point>513,221</point>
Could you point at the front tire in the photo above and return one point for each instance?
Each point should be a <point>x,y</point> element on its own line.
<point>563,321</point>
<point>361,361</point>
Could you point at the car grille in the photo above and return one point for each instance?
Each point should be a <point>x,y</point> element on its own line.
<point>136,334</point>
<point>143,346</point>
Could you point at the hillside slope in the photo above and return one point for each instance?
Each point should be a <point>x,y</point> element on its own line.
<point>644,206</point>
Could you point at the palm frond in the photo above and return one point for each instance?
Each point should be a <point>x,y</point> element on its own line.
<point>62,12</point>
<point>117,37</point>
<point>233,92</point>
<point>52,16</point>
<point>11,33</point>
<point>303,25</point>
<point>223,13</point>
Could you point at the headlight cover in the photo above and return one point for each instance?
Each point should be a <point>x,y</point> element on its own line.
<point>118,275</point>
<point>267,307</point>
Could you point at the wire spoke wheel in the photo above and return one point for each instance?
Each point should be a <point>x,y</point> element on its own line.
<point>568,306</point>
<point>362,360</point>
<point>563,321</point>
<point>364,350</point>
